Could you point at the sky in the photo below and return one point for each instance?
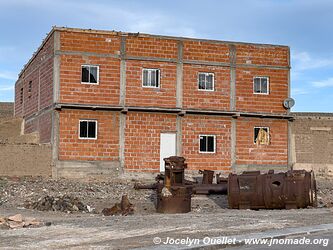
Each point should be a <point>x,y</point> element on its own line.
<point>303,25</point>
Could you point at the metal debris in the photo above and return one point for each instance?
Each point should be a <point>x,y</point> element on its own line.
<point>252,190</point>
<point>123,208</point>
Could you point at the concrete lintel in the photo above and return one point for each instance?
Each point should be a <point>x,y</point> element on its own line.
<point>155,59</point>
<point>155,109</point>
<point>266,115</point>
<point>210,112</point>
<point>84,53</point>
<point>86,106</point>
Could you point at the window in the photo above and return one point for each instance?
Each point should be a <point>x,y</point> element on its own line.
<point>261,85</point>
<point>21,96</point>
<point>151,78</point>
<point>30,89</point>
<point>261,135</point>
<point>207,143</point>
<point>90,74</point>
<point>206,81</point>
<point>88,129</point>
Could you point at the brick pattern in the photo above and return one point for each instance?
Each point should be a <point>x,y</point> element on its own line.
<point>42,124</point>
<point>142,140</point>
<point>313,139</point>
<point>206,51</point>
<point>247,101</point>
<point>73,91</point>
<point>40,73</point>
<point>104,148</point>
<point>264,55</point>
<point>192,127</point>
<point>219,99</point>
<point>151,47</point>
<point>274,153</point>
<point>164,96</point>
<point>90,42</point>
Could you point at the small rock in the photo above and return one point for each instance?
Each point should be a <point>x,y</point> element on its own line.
<point>16,218</point>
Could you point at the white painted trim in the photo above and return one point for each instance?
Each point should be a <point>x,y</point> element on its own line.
<point>269,139</point>
<point>206,73</point>
<point>204,152</point>
<point>261,77</point>
<point>159,78</point>
<point>86,138</point>
<point>90,65</point>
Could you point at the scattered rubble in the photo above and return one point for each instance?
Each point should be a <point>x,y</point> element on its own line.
<point>18,221</point>
<point>64,203</point>
<point>123,208</point>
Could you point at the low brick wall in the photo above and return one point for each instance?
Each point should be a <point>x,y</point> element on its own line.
<point>25,160</point>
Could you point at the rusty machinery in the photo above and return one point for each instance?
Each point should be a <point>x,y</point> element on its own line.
<point>249,190</point>
<point>287,190</point>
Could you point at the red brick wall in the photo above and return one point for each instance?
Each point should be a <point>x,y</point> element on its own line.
<point>151,47</point>
<point>260,54</point>
<point>142,139</point>
<point>42,124</point>
<point>90,42</point>
<point>40,72</point>
<point>219,99</point>
<point>105,148</point>
<point>250,153</point>
<point>246,100</point>
<point>73,91</point>
<point>192,127</point>
<point>164,96</point>
<point>206,51</point>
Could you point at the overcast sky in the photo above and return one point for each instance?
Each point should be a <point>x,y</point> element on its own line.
<point>304,25</point>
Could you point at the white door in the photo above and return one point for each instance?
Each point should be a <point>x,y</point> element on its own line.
<point>167,147</point>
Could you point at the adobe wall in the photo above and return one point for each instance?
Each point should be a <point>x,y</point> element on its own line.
<point>312,140</point>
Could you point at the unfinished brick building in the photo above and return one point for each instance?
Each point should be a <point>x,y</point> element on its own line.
<point>112,101</point>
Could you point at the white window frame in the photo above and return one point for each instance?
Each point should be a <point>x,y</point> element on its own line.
<point>206,74</point>
<point>90,65</point>
<point>88,138</point>
<point>259,127</point>
<point>149,75</point>
<point>261,77</point>
<point>204,152</point>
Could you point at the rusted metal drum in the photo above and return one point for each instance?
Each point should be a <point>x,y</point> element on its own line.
<point>175,200</point>
<point>252,190</point>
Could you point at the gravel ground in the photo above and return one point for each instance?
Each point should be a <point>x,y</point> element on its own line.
<point>209,216</point>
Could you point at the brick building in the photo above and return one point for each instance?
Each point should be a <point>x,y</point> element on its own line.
<point>111,101</point>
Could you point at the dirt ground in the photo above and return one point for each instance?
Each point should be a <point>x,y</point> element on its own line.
<point>209,216</point>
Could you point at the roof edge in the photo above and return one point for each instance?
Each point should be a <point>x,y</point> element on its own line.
<point>113,32</point>
<point>54,28</point>
<point>79,30</point>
